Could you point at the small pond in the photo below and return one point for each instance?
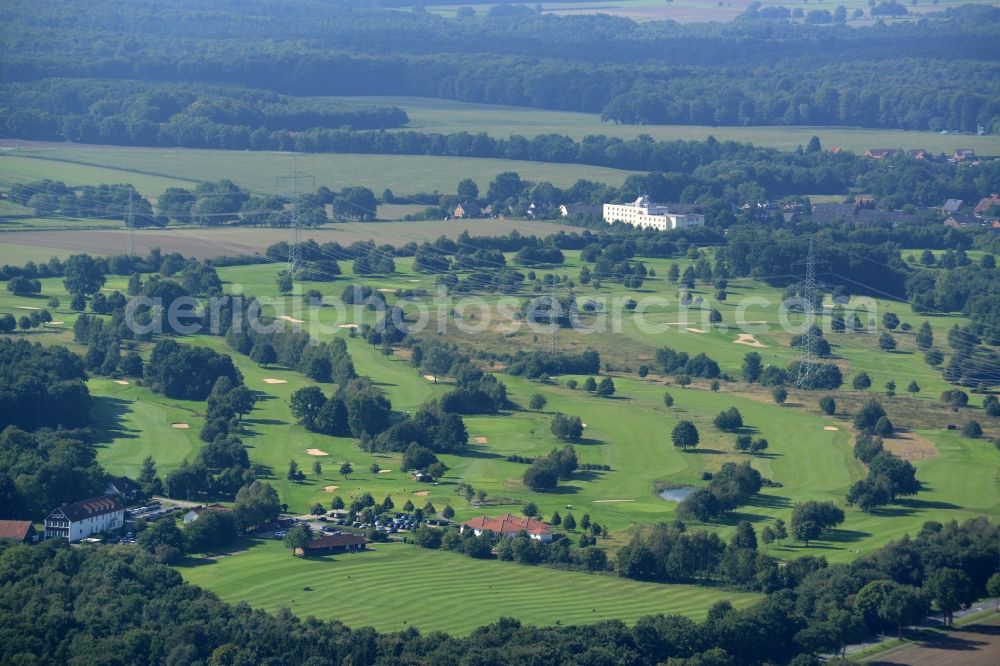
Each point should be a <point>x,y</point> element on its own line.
<point>676,494</point>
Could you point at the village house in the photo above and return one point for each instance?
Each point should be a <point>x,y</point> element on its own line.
<point>80,520</point>
<point>964,154</point>
<point>985,205</point>
<point>952,206</point>
<point>334,543</point>
<point>509,525</point>
<point>880,153</point>
<point>196,512</point>
<point>961,221</point>
<point>584,210</point>
<point>125,488</point>
<point>645,214</point>
<point>918,154</point>
<point>459,212</point>
<point>21,531</point>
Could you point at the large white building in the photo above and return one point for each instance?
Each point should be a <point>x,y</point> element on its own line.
<point>80,520</point>
<point>645,214</point>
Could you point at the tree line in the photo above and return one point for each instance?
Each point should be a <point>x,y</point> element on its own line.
<point>932,74</point>
<point>812,608</point>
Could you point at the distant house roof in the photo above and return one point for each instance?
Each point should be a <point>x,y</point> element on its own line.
<point>965,154</point>
<point>593,210</point>
<point>830,212</point>
<point>984,204</point>
<point>335,541</point>
<point>961,220</point>
<point>508,524</point>
<point>917,153</point>
<point>195,512</point>
<point>89,508</point>
<point>16,530</point>
<point>122,485</point>
<point>866,217</point>
<point>952,205</point>
<point>880,153</point>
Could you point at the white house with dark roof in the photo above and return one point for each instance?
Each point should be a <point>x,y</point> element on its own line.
<point>80,520</point>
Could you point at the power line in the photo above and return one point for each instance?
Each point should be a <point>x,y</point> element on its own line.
<point>295,231</point>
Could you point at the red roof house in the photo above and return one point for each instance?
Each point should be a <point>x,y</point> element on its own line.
<point>510,525</point>
<point>22,531</point>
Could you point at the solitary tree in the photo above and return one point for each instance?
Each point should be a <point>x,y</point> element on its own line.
<point>861,382</point>
<point>530,509</point>
<point>828,405</point>
<point>685,435</point>
<point>317,468</point>
<point>537,402</point>
<point>589,385</point>
<point>668,399</point>
<point>886,342</point>
<point>913,388</point>
<point>780,394</point>
<point>925,337</point>
<point>375,468</point>
<point>298,537</point>
<point>569,522</point>
<point>606,388</point>
<point>346,469</point>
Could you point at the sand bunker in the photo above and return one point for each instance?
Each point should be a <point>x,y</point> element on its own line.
<point>413,280</point>
<point>830,428</point>
<point>316,452</point>
<point>180,426</point>
<point>291,319</point>
<point>480,440</point>
<point>748,340</point>
<point>584,425</point>
<point>422,493</point>
<point>25,307</point>
<point>696,330</point>
<point>430,378</point>
<point>272,380</point>
<point>384,471</point>
<point>611,501</point>
<point>387,291</point>
<point>329,489</point>
<point>348,326</point>
<point>121,382</point>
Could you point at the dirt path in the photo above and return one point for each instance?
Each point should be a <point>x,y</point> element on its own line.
<point>967,646</point>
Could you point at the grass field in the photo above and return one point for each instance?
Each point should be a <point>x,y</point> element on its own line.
<point>629,432</point>
<point>202,243</point>
<point>17,169</point>
<point>154,169</point>
<point>445,116</point>
<point>395,586</point>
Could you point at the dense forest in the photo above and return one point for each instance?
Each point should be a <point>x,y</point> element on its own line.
<point>936,73</point>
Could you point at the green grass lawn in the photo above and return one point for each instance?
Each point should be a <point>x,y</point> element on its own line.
<point>16,168</point>
<point>447,116</point>
<point>629,432</point>
<point>395,586</point>
<point>257,171</point>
